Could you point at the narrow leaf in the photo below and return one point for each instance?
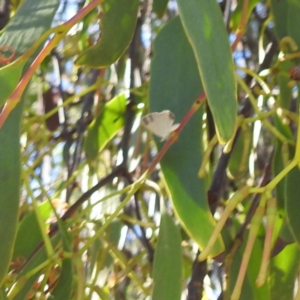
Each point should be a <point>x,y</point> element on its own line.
<point>20,34</point>
<point>280,16</point>
<point>175,85</point>
<point>167,267</point>
<point>64,286</point>
<point>203,23</point>
<point>292,203</point>
<point>117,28</point>
<point>293,20</point>
<point>28,236</point>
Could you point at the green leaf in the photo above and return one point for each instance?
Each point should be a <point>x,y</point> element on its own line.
<point>117,28</point>
<point>285,236</point>
<point>160,7</point>
<point>277,167</point>
<point>294,2</point>
<point>105,126</point>
<point>203,23</point>
<point>283,272</point>
<point>282,154</point>
<point>293,21</point>
<point>285,232</point>
<point>167,266</point>
<point>3,295</point>
<point>292,203</point>
<point>9,79</point>
<point>64,285</point>
<point>63,289</point>
<point>20,34</point>
<point>28,236</point>
<point>283,128</point>
<point>175,85</point>
<point>280,16</point>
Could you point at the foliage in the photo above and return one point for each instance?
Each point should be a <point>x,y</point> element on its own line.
<point>93,206</point>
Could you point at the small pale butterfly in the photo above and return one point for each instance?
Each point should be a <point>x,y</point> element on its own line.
<point>160,123</point>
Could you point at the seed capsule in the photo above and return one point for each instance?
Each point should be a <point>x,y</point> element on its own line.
<point>295,73</point>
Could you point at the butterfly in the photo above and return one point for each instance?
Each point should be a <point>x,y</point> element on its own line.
<point>160,123</point>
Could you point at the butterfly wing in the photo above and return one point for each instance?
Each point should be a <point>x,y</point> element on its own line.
<point>161,124</point>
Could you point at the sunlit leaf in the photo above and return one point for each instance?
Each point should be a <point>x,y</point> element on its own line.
<point>105,126</point>
<point>283,271</point>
